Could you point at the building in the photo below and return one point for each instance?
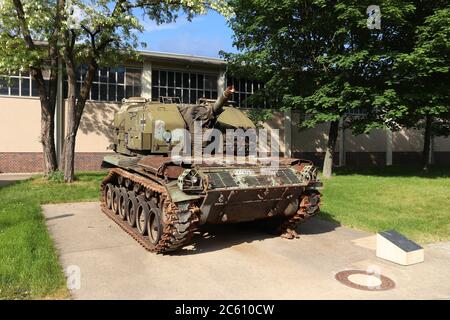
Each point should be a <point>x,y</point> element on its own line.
<point>188,77</point>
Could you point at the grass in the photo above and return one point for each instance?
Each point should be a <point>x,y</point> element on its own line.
<point>29,266</point>
<point>375,199</point>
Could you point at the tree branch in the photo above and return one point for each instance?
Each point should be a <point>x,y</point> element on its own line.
<point>54,53</point>
<point>36,72</point>
<point>23,24</point>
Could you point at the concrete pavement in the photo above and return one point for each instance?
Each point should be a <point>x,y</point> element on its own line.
<point>10,178</point>
<point>234,262</point>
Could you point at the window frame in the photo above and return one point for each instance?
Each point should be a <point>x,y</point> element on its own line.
<point>19,77</point>
<point>192,92</point>
<point>242,89</point>
<point>137,83</point>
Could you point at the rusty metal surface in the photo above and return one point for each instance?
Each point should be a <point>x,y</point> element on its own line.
<point>153,164</point>
<point>235,161</point>
<point>161,166</point>
<point>343,277</point>
<point>157,164</point>
<point>251,197</point>
<point>236,205</point>
<point>173,172</point>
<point>178,225</point>
<point>309,206</point>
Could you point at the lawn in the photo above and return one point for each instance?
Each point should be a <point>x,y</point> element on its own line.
<point>29,266</point>
<point>417,205</point>
<point>377,199</point>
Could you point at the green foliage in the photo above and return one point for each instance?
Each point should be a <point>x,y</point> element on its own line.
<point>15,55</point>
<point>90,23</point>
<point>320,57</point>
<point>259,116</point>
<point>79,32</point>
<point>56,176</point>
<point>421,76</point>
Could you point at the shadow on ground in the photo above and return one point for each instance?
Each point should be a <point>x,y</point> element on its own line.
<point>8,180</point>
<point>217,237</point>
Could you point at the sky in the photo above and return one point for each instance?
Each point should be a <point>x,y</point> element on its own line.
<point>204,36</point>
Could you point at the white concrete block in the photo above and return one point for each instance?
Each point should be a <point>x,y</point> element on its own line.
<point>395,247</point>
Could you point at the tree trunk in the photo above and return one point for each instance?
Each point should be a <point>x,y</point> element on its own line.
<point>427,143</point>
<point>68,157</point>
<point>331,146</point>
<point>75,108</point>
<point>48,140</point>
<point>69,146</point>
<point>47,137</point>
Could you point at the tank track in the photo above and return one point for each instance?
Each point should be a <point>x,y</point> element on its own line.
<point>286,228</point>
<point>178,224</point>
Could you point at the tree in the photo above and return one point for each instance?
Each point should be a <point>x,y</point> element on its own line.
<point>319,56</point>
<point>422,78</point>
<point>103,33</point>
<point>82,33</point>
<point>22,25</point>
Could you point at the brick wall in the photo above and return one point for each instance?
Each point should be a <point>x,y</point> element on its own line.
<point>16,162</point>
<point>361,159</point>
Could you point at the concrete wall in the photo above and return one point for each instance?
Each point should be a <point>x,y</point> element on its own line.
<point>366,149</point>
<point>20,149</point>
<point>20,124</point>
<point>95,133</point>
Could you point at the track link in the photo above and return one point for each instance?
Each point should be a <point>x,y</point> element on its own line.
<point>178,223</point>
<point>309,206</point>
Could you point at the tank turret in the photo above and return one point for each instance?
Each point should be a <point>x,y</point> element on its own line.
<point>161,202</point>
<point>142,127</point>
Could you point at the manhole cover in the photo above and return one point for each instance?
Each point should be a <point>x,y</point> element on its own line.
<point>363,280</point>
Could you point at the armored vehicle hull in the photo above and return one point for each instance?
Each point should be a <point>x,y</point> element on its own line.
<point>145,196</point>
<point>161,201</point>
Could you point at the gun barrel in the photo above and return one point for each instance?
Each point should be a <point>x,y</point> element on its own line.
<point>218,105</point>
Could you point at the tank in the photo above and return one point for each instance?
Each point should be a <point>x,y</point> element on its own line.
<point>161,201</point>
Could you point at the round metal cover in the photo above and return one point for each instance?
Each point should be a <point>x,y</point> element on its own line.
<point>385,283</point>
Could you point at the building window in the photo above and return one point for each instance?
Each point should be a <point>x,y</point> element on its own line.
<point>244,89</point>
<point>111,84</point>
<point>18,84</point>
<point>188,87</point>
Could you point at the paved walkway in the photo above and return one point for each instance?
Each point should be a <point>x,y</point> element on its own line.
<point>234,262</point>
<point>9,178</point>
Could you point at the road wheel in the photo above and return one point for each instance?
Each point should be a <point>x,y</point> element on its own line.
<point>123,202</point>
<point>115,200</point>
<point>154,227</point>
<point>131,209</point>
<point>109,195</point>
<point>142,213</point>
